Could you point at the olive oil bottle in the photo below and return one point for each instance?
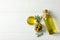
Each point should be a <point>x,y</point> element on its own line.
<point>49,21</point>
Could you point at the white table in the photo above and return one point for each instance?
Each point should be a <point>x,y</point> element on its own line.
<point>13,15</point>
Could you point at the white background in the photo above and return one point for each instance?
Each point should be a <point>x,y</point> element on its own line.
<point>13,15</point>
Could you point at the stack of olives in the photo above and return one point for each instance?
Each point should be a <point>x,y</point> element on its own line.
<point>38,28</point>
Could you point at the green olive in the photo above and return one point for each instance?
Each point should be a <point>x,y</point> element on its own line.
<point>38,27</point>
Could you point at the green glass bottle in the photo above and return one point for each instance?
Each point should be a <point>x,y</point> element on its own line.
<point>49,21</point>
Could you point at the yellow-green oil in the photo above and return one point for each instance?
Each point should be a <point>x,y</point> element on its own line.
<point>31,20</point>
<point>49,21</point>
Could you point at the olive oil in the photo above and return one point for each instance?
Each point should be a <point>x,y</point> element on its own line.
<point>31,20</point>
<point>49,21</point>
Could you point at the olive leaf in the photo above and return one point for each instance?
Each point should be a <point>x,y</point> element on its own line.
<point>38,18</point>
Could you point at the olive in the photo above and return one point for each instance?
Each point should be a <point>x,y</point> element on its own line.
<point>38,27</point>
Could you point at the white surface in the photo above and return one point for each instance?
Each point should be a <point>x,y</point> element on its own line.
<point>13,15</point>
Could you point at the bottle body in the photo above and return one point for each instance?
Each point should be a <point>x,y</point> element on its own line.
<point>50,25</point>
